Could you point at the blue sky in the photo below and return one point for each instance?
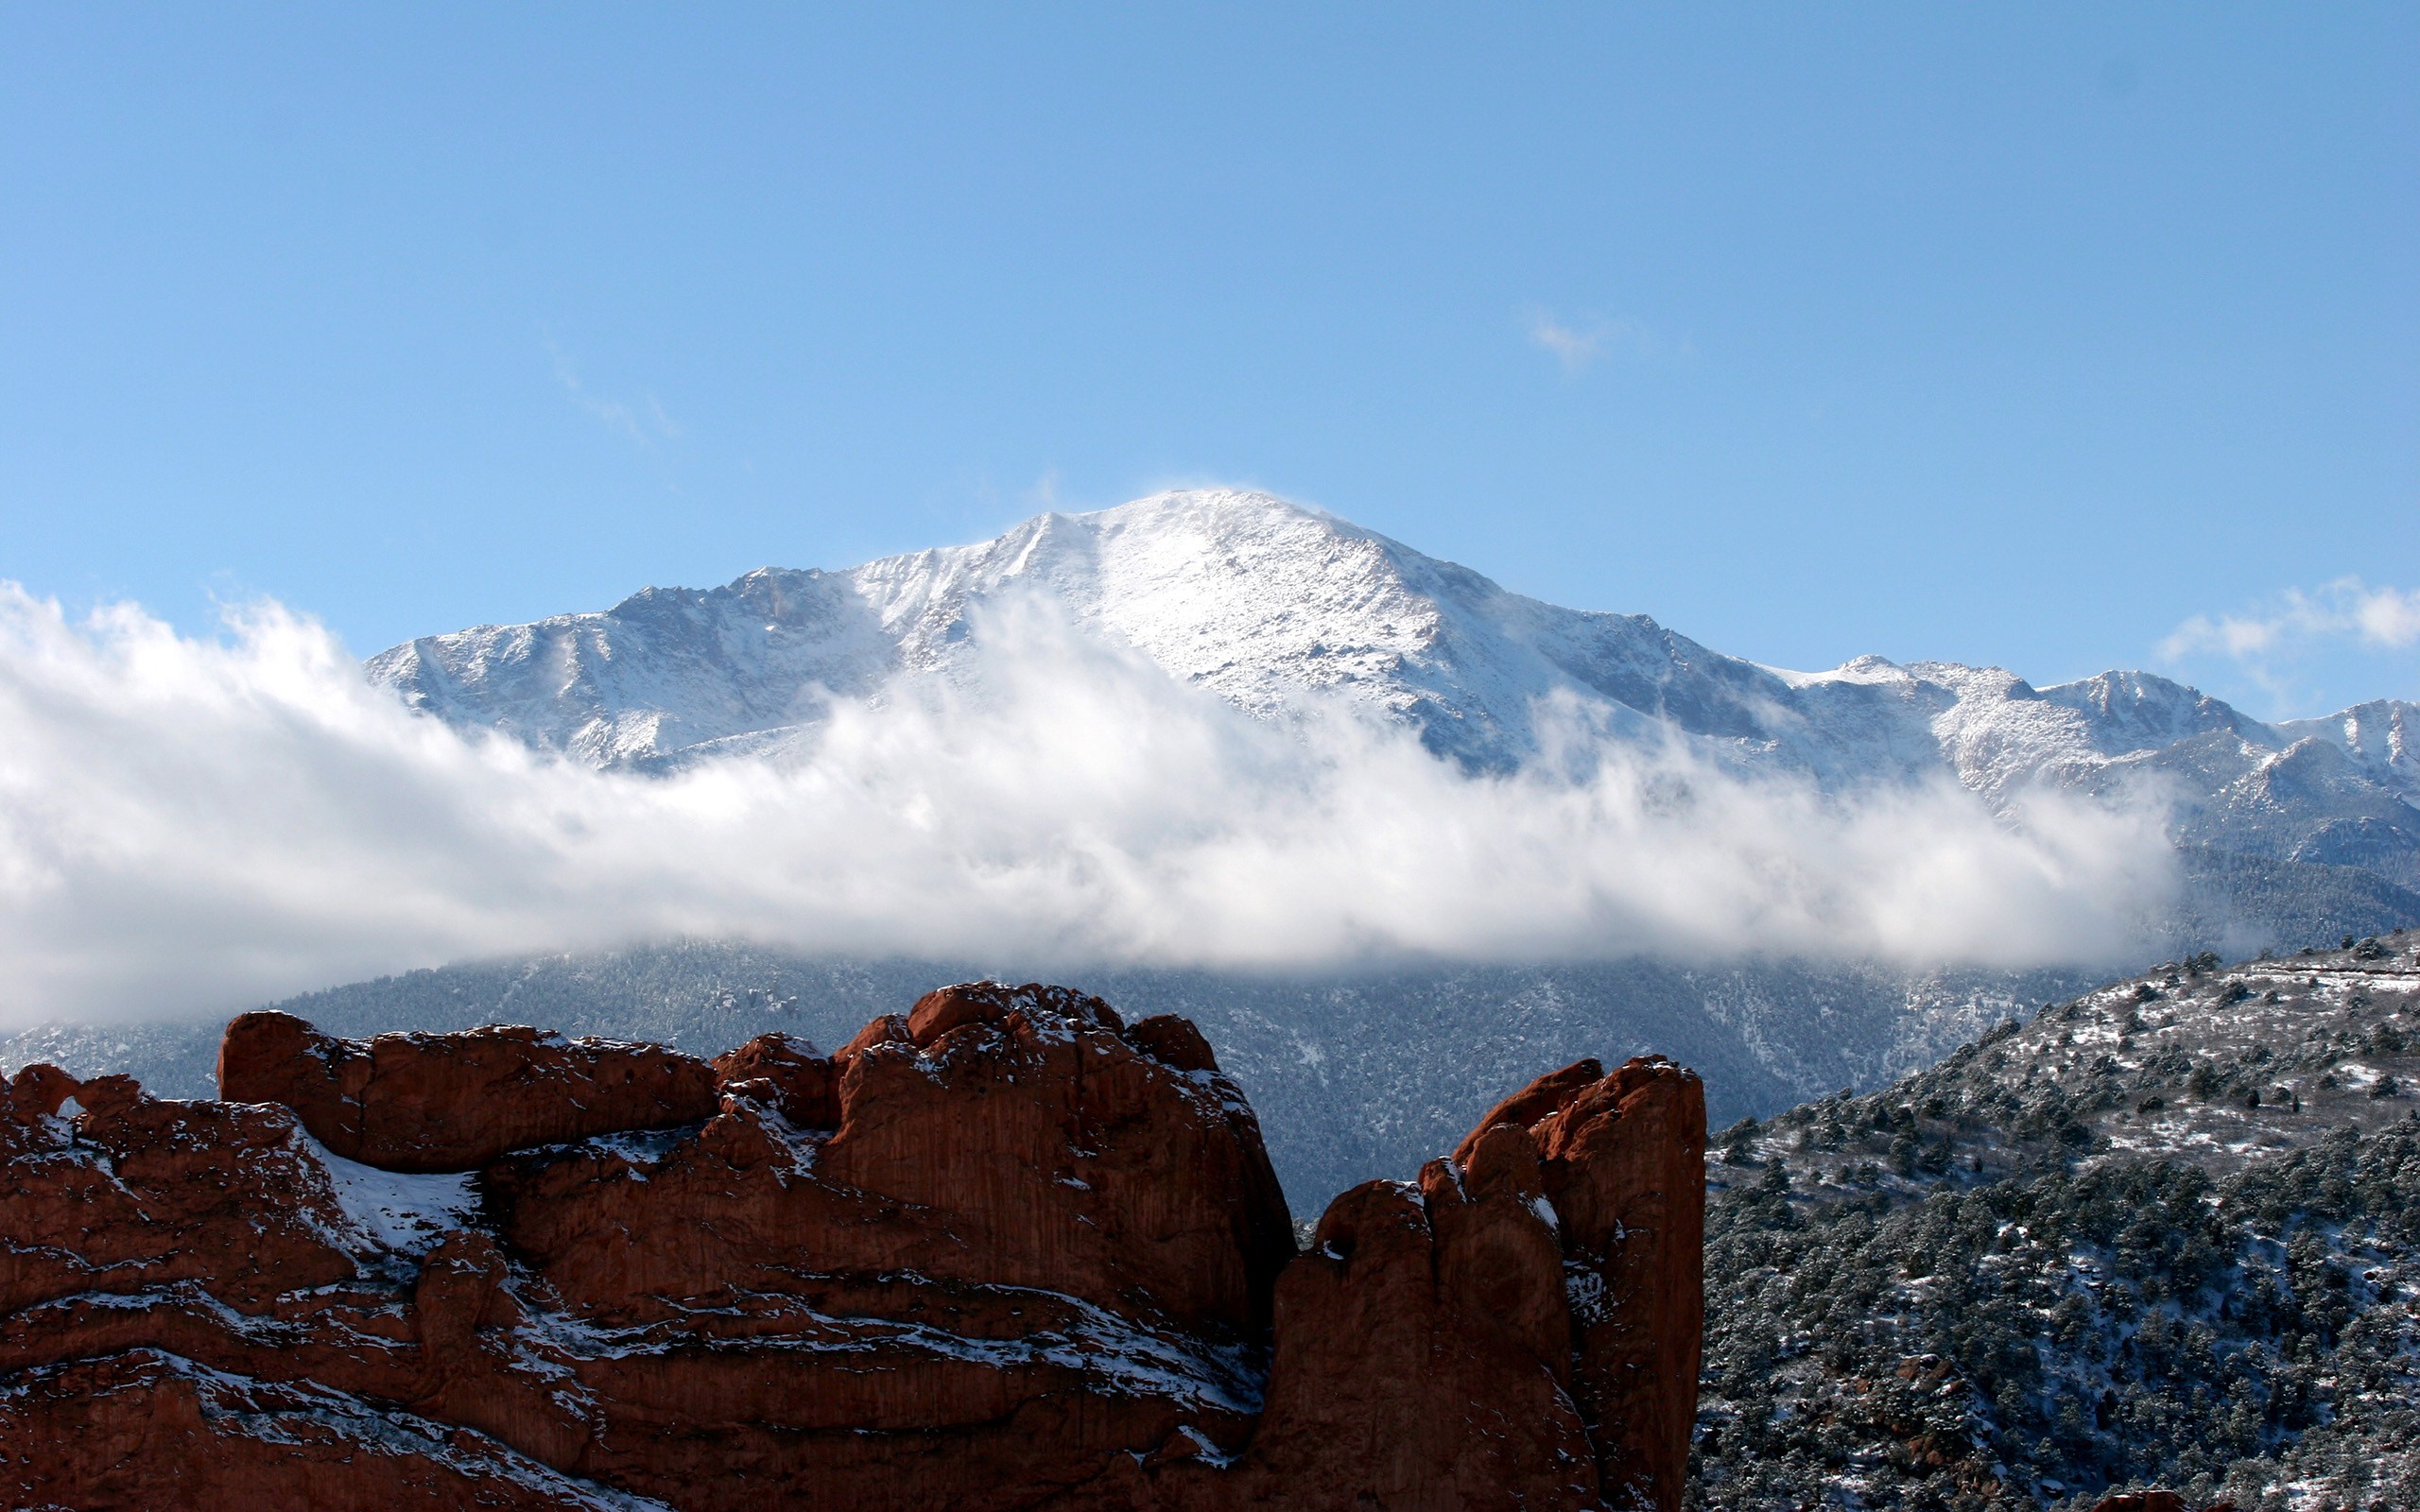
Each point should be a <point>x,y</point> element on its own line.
<point>2056,337</point>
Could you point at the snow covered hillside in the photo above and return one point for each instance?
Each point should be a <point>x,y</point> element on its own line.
<point>1270,605</point>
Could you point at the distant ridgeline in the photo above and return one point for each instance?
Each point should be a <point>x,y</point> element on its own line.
<point>2166,1233</point>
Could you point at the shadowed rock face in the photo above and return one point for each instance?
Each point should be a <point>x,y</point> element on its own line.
<point>1622,1160</point>
<point>1002,1251</point>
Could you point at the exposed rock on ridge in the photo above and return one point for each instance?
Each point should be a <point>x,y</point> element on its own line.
<point>1001,1251</point>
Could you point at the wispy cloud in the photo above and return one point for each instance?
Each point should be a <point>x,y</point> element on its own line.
<point>1578,342</point>
<point>642,419</point>
<point>2347,608</point>
<point>200,824</point>
<point>1575,347</point>
<point>2276,644</point>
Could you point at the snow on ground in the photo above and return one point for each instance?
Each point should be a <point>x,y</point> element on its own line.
<point>398,1211</point>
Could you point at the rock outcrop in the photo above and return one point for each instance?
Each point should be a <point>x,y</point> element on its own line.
<point>454,1101</point>
<point>1002,1251</point>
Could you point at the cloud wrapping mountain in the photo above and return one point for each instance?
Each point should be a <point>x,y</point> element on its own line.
<point>193,825</point>
<point>1205,730</point>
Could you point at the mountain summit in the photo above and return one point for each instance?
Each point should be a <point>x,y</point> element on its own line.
<point>1257,599</point>
<point>1269,605</point>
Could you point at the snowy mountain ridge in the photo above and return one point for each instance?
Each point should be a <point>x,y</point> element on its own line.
<point>1265,603</point>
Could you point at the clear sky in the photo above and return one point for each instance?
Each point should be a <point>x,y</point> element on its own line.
<point>2052,337</point>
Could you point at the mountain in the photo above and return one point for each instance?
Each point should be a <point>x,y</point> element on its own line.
<point>1259,600</point>
<point>2165,1233</point>
<point>2286,834</point>
<point>1270,605</point>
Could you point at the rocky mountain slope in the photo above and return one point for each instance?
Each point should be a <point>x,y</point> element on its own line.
<point>1270,605</point>
<point>1003,1251</point>
<point>2166,1231</point>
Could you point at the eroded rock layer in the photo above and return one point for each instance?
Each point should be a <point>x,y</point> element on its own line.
<point>1002,1251</point>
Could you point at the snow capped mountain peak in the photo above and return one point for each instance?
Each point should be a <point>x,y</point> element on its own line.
<point>1267,604</point>
<point>2139,710</point>
<point>2382,735</point>
<point>1254,598</point>
<point>1867,668</point>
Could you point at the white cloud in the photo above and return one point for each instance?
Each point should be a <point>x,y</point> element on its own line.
<point>2346,610</point>
<point>1577,344</point>
<point>1574,348</point>
<point>197,825</point>
<point>2389,617</point>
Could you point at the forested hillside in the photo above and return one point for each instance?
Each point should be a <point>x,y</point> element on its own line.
<point>2167,1234</point>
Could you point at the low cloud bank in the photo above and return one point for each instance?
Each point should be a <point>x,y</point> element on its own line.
<point>197,825</point>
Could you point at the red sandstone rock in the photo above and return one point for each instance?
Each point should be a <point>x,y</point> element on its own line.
<point>135,1193</point>
<point>149,1431</point>
<point>1422,1347</point>
<point>999,1252</point>
<point>802,1083</point>
<point>1624,1161</point>
<point>1523,1332</point>
<point>454,1101</point>
<point>1538,1100</point>
<point>1172,1042</point>
<point>38,1092</point>
<point>890,1028</point>
<point>1012,1138</point>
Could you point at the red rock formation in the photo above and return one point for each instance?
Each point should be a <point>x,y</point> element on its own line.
<point>454,1101</point>
<point>149,1431</point>
<point>129,1193</point>
<point>1624,1158</point>
<point>802,1084</point>
<point>1002,1251</point>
